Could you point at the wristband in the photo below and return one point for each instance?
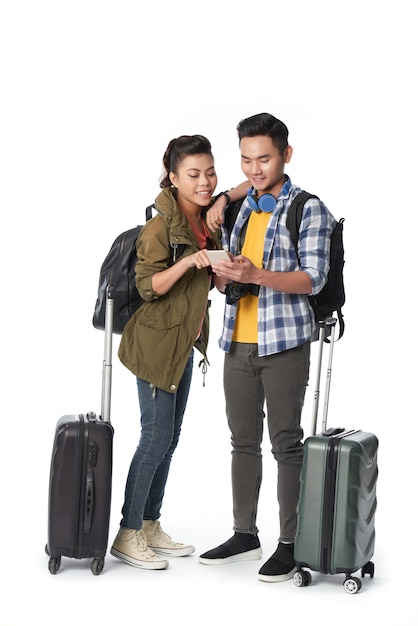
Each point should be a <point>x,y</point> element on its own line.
<point>228,199</point>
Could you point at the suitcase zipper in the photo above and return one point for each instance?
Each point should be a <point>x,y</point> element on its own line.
<point>329,504</point>
<point>328,509</point>
<point>77,485</point>
<point>79,509</point>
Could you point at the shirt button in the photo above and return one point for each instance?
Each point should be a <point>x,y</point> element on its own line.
<point>172,387</point>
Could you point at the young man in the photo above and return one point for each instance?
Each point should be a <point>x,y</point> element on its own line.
<point>268,325</point>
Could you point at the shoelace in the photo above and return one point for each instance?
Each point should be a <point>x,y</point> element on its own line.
<point>159,531</point>
<point>140,542</point>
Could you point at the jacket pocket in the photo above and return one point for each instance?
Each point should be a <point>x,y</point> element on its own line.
<point>159,344</point>
<point>160,322</point>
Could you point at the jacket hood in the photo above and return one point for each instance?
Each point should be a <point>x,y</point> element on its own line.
<point>166,206</point>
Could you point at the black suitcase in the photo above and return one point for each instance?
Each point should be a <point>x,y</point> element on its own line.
<point>80,479</point>
<point>337,501</point>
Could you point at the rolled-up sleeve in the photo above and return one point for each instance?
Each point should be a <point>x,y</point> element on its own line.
<point>315,232</point>
<point>153,256</point>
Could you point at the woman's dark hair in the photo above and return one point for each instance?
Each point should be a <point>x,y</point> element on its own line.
<point>265,124</point>
<point>178,149</point>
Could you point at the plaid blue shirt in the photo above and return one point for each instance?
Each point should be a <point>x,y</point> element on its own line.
<point>284,320</point>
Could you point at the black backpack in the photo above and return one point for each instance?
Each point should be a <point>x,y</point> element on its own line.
<point>331,298</point>
<point>118,270</point>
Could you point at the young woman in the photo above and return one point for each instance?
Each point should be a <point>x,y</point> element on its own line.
<point>158,342</point>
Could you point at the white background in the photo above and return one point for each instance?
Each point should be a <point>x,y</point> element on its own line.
<point>91,93</point>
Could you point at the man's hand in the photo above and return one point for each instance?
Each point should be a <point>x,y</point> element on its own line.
<point>238,269</point>
<point>241,270</point>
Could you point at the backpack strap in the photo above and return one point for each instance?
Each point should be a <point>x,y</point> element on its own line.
<point>230,215</point>
<point>293,221</point>
<point>148,211</point>
<point>341,323</point>
<point>294,217</point>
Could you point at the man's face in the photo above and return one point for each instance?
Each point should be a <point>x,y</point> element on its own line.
<point>263,164</point>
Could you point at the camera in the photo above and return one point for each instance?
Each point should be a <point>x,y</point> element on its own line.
<point>236,291</point>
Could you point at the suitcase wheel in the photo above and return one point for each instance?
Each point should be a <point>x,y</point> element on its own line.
<point>352,584</point>
<point>302,578</point>
<point>54,565</point>
<point>97,566</point>
<point>368,569</point>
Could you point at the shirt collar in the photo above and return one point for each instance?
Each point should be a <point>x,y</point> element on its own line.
<point>285,190</point>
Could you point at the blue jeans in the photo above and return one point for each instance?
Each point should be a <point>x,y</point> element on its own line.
<point>161,421</point>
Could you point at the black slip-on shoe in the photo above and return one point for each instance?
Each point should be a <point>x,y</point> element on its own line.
<point>280,566</point>
<point>240,547</point>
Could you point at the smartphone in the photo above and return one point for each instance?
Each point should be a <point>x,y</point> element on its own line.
<point>217,255</point>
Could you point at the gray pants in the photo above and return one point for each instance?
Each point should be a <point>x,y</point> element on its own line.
<point>279,381</point>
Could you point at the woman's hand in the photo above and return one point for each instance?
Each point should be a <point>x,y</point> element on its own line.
<point>215,215</point>
<point>163,281</point>
<point>199,260</point>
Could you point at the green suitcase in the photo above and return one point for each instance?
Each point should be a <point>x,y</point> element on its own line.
<point>337,500</point>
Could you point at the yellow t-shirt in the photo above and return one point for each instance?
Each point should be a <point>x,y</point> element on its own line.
<point>246,322</point>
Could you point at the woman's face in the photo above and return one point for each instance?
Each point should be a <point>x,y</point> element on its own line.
<point>195,180</point>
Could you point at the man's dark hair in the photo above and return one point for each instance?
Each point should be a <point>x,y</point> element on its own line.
<point>265,124</point>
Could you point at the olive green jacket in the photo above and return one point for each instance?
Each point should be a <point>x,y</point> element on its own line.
<point>157,340</point>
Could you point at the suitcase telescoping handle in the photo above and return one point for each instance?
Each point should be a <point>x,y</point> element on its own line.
<point>324,326</point>
<point>107,358</point>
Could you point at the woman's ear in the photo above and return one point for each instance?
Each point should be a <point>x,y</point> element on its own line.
<point>172,178</point>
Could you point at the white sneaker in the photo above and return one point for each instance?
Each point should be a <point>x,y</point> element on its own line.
<point>161,543</point>
<point>131,546</point>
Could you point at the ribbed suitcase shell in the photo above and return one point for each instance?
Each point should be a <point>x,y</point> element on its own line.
<point>337,502</point>
<point>80,487</point>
